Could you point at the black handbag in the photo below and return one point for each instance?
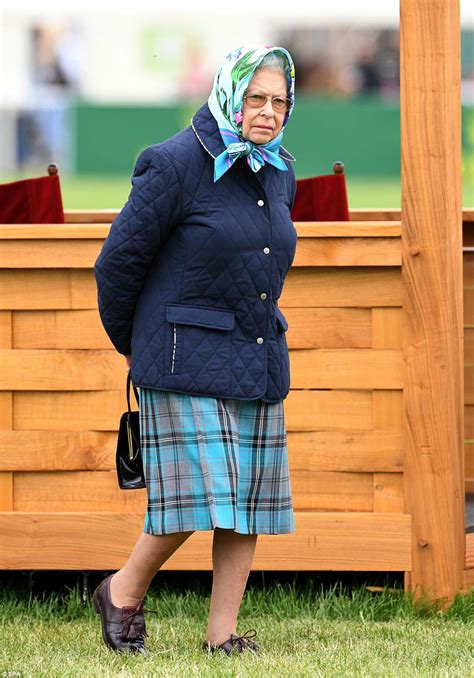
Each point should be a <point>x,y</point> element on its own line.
<point>128,457</point>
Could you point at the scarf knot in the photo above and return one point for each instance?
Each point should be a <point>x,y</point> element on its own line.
<point>256,155</point>
<point>238,148</point>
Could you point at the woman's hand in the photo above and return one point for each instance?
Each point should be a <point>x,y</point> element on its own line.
<point>128,358</point>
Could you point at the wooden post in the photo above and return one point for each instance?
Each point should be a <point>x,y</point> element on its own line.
<point>432,278</point>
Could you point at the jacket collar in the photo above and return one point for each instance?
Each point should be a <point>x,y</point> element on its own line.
<point>206,130</point>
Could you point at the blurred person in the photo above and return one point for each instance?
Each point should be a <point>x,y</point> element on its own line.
<point>367,69</point>
<point>321,77</point>
<point>188,281</point>
<point>195,78</point>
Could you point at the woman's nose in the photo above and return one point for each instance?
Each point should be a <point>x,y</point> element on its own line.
<point>268,107</point>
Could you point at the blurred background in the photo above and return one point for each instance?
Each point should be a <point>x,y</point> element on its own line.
<point>88,85</point>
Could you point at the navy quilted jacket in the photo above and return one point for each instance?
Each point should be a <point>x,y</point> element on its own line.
<point>190,273</point>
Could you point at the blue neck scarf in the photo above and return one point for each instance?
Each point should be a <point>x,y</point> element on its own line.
<point>226,101</point>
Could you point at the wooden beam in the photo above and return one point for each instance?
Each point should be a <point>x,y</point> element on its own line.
<point>103,541</point>
<point>432,280</point>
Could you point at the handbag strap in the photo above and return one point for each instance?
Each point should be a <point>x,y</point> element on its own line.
<point>129,381</point>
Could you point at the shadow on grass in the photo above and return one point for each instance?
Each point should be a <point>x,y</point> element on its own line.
<point>320,595</point>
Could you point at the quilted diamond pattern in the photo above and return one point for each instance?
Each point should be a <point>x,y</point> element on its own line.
<point>189,245</point>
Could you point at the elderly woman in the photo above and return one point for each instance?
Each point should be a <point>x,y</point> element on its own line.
<point>188,283</point>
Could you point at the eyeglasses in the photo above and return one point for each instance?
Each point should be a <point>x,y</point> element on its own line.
<point>279,104</point>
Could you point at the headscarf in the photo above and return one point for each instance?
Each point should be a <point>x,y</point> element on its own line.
<point>226,101</point>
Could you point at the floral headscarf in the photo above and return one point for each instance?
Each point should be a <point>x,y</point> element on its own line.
<point>226,101</point>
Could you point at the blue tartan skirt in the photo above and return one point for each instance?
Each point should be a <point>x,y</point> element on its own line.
<point>214,462</point>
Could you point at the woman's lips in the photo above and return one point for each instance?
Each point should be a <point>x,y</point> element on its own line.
<point>262,127</point>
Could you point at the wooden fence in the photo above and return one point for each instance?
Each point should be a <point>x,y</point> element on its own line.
<point>62,390</point>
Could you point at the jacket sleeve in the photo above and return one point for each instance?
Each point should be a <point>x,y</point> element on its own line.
<point>136,235</point>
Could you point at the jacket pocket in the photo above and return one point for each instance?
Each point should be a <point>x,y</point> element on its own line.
<point>281,320</point>
<point>199,345</point>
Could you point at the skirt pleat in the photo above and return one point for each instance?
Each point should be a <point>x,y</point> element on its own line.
<point>214,462</point>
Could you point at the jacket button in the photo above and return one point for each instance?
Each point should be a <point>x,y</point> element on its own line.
<point>263,295</point>
<point>260,203</point>
<point>266,250</point>
<point>259,340</point>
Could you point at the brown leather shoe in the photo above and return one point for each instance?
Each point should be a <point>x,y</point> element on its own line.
<point>123,628</point>
<point>238,643</point>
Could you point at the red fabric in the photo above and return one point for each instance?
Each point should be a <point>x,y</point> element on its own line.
<point>31,201</point>
<point>322,198</point>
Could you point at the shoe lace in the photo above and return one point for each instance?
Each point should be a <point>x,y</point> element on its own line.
<point>138,624</point>
<point>244,641</point>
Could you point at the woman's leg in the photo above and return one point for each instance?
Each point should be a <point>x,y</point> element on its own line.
<point>232,555</point>
<point>130,584</point>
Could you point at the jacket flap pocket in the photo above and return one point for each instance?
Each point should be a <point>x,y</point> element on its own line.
<point>281,319</point>
<point>219,319</point>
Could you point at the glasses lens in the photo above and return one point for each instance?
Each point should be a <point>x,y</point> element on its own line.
<point>279,104</point>
<point>256,100</point>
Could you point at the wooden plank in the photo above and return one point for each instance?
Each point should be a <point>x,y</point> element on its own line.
<point>43,289</point>
<point>6,491</point>
<point>468,580</point>
<point>82,491</point>
<point>351,251</point>
<point>468,269</point>
<point>469,560</point>
<point>6,397</point>
<point>304,287</point>
<point>355,214</point>
<point>388,410</point>
<point>432,277</point>
<point>350,230</point>
<point>98,491</point>
<point>388,488</point>
<point>56,370</point>
<point>381,228</point>
<point>101,410</point>
<point>387,328</point>
<point>468,345</point>
<point>317,251</point>
<point>388,493</point>
<point>331,491</point>
<point>469,384</point>
<point>69,411</point>
<point>353,287</point>
<point>51,253</point>
<point>469,422</point>
<point>104,216</point>
<point>57,450</point>
<point>313,410</point>
<point>97,541</point>
<point>309,451</point>
<point>59,329</point>
<point>468,306</point>
<point>349,450</point>
<point>469,459</point>
<point>344,368</point>
<point>308,328</point>
<point>80,370</point>
<point>328,327</point>
<point>79,231</point>
<point>6,329</point>
<point>6,410</point>
<point>375,213</point>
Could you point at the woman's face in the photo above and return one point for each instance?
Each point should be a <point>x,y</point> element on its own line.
<point>263,124</point>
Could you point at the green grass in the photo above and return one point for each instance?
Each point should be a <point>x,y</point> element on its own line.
<point>303,631</point>
<point>104,192</point>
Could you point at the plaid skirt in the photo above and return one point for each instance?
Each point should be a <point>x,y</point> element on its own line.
<point>214,462</point>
